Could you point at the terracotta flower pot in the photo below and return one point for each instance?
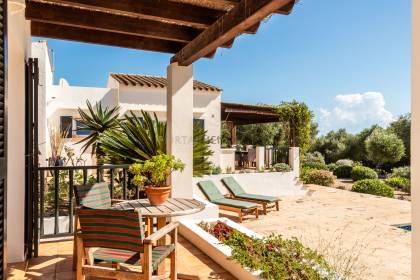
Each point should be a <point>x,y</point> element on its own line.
<point>158,195</point>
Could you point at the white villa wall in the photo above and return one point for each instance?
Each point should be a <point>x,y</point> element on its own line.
<point>19,49</point>
<point>206,106</point>
<point>63,100</point>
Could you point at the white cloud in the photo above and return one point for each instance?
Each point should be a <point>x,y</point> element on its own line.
<point>355,112</point>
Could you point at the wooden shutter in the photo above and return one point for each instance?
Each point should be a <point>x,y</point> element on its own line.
<point>3,133</point>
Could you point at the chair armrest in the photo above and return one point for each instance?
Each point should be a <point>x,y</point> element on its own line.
<point>160,233</point>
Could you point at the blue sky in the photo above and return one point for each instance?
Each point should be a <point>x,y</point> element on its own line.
<point>348,60</point>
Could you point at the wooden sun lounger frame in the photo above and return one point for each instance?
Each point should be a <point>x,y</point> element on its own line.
<point>240,211</point>
<point>265,205</point>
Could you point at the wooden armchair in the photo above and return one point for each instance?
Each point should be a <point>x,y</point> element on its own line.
<point>96,196</point>
<point>117,237</point>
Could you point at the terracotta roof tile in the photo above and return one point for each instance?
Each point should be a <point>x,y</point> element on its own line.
<point>154,81</point>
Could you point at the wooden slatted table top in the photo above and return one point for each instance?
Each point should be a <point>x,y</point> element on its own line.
<point>171,208</point>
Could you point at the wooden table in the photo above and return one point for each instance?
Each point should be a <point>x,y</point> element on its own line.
<point>173,207</point>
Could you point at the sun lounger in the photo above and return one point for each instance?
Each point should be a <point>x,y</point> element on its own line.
<point>238,206</point>
<point>239,193</point>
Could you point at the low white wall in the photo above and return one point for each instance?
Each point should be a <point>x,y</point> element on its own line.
<point>227,159</point>
<point>268,183</point>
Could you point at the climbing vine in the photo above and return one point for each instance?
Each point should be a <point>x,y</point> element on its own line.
<point>296,119</point>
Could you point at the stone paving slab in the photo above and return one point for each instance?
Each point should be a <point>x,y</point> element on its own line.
<point>355,222</point>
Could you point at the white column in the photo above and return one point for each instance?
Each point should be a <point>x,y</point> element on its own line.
<point>259,157</point>
<point>180,126</point>
<point>415,140</point>
<point>18,50</point>
<point>294,160</point>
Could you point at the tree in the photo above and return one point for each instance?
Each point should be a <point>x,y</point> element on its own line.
<point>97,121</point>
<point>358,147</point>
<point>261,134</point>
<point>296,119</point>
<point>402,128</point>
<point>383,146</point>
<point>335,145</point>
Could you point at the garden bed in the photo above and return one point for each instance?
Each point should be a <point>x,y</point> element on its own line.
<point>247,255</point>
<point>214,248</point>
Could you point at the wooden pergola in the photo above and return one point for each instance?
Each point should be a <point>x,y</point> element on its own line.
<point>235,114</point>
<point>189,29</point>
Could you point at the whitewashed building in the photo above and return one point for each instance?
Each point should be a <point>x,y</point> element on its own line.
<point>58,104</point>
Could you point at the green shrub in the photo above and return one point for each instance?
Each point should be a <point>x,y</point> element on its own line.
<point>278,258</point>
<point>215,170</point>
<point>347,162</point>
<point>281,167</point>
<point>332,166</point>
<point>319,177</point>
<point>373,186</point>
<point>314,157</point>
<point>315,165</point>
<point>399,183</point>
<point>363,172</point>
<point>343,171</point>
<point>403,171</point>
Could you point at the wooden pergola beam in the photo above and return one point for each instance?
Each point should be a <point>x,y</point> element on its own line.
<point>246,14</point>
<point>177,12</point>
<point>103,38</point>
<point>81,18</point>
<point>284,10</point>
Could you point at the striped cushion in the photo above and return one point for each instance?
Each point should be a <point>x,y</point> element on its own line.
<point>159,253</point>
<point>114,229</point>
<point>96,196</point>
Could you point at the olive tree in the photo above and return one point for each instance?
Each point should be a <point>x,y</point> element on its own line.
<point>383,146</point>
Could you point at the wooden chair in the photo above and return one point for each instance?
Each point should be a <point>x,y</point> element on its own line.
<point>215,196</point>
<point>117,237</point>
<point>96,196</point>
<point>237,192</point>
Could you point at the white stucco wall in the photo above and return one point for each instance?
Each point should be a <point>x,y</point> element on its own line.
<point>63,100</point>
<point>19,48</point>
<point>415,140</point>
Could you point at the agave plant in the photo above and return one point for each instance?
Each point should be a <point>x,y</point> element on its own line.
<point>138,140</point>
<point>97,121</point>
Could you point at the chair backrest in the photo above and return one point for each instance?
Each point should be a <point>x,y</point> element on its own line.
<point>210,190</point>
<point>233,186</point>
<point>110,228</point>
<point>96,196</point>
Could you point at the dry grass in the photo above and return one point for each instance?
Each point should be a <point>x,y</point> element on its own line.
<point>346,261</point>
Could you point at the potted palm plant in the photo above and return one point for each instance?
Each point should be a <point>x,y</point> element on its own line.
<point>151,175</point>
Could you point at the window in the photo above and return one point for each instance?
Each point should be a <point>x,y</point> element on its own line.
<point>66,126</point>
<point>199,122</point>
<point>81,129</point>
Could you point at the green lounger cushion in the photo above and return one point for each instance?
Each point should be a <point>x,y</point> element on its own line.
<point>258,197</point>
<point>235,203</point>
<point>210,190</point>
<point>233,186</point>
<point>236,189</point>
<point>215,196</point>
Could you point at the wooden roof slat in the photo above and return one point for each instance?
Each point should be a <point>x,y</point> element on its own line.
<point>234,22</point>
<point>58,14</point>
<point>103,38</point>
<point>155,81</point>
<point>242,114</point>
<point>177,12</point>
